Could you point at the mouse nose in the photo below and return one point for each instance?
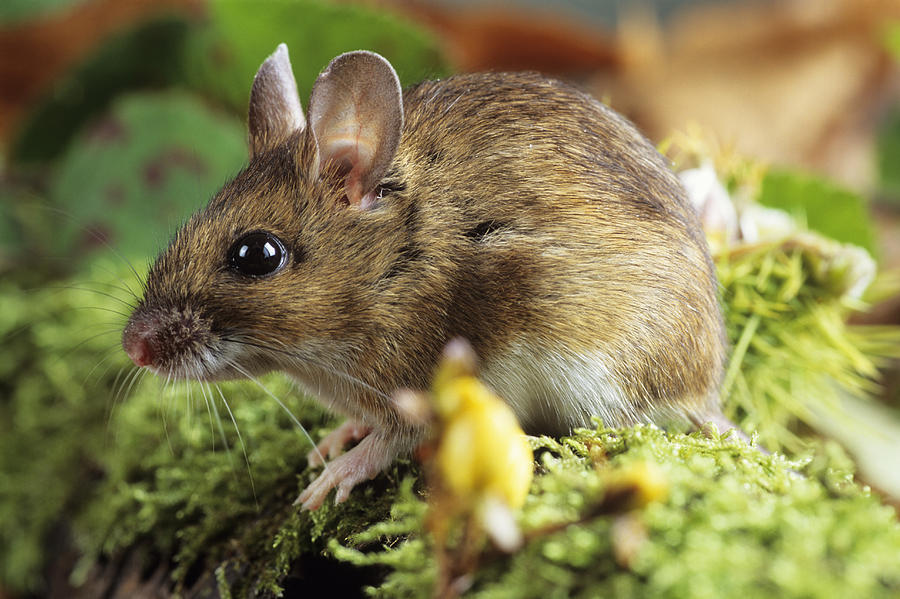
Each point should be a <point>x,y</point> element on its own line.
<point>136,341</point>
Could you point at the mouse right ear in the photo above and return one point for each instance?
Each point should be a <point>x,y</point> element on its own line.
<point>275,111</point>
<point>356,118</point>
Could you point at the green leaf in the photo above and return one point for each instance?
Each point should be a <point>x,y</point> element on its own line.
<point>889,154</point>
<point>892,38</point>
<point>824,206</point>
<point>150,55</point>
<point>134,176</point>
<point>245,32</point>
<point>13,11</point>
<point>219,57</point>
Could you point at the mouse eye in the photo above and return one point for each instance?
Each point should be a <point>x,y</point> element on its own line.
<point>257,254</point>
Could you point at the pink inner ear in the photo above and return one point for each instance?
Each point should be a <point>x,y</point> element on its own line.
<point>353,158</point>
<point>354,188</point>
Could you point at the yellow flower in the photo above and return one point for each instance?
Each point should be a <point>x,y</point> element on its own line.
<point>482,457</point>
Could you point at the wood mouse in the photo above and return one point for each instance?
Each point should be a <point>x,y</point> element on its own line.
<point>506,208</point>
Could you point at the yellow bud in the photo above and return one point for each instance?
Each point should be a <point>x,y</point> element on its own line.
<point>482,450</point>
<point>639,483</point>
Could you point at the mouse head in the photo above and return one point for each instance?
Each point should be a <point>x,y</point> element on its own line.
<point>276,267</point>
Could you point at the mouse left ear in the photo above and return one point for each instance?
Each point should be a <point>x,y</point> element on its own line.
<point>275,110</point>
<point>356,117</point>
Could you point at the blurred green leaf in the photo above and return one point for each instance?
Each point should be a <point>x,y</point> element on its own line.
<point>889,156</point>
<point>823,205</point>
<point>219,58</point>
<point>892,38</point>
<point>9,236</point>
<point>245,32</point>
<point>27,226</point>
<point>151,55</point>
<point>13,11</point>
<point>136,174</point>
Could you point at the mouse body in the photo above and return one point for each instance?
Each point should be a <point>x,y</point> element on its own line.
<point>506,208</point>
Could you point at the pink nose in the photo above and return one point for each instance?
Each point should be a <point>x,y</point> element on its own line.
<point>136,343</point>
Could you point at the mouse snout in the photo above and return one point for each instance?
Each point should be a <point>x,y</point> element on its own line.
<point>138,343</point>
<point>174,341</point>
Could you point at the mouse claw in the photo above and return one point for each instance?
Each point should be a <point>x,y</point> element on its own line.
<point>314,495</point>
<point>361,463</point>
<point>334,442</point>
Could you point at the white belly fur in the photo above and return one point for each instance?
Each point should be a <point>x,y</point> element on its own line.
<point>554,390</point>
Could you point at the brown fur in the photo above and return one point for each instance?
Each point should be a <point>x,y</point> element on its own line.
<point>515,208</point>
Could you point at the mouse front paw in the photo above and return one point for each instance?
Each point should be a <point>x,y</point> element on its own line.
<point>361,463</point>
<point>334,442</point>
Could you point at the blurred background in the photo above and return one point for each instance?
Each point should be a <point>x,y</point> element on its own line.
<point>800,84</point>
<point>120,118</point>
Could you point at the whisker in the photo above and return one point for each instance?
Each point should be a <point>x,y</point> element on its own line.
<point>134,379</point>
<point>207,397</point>
<point>119,385</point>
<point>96,235</point>
<point>125,287</point>
<point>13,333</point>
<point>306,362</point>
<point>309,438</point>
<point>162,412</point>
<point>224,437</point>
<point>61,357</point>
<point>89,290</point>
<point>103,309</point>
<point>109,353</point>
<point>243,447</point>
<point>137,376</point>
<point>115,397</point>
<point>222,432</point>
<point>189,404</point>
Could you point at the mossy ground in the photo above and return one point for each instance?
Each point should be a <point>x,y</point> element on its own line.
<point>735,523</point>
<point>125,463</point>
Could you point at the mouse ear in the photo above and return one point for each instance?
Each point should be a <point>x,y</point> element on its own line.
<point>356,116</point>
<point>275,110</point>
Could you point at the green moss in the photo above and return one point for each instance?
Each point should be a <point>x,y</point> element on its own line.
<point>736,523</point>
<point>93,450</point>
<point>793,353</point>
<point>92,447</point>
<point>207,475</point>
<point>55,385</point>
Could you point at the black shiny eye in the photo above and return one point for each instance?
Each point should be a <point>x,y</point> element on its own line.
<point>257,254</point>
